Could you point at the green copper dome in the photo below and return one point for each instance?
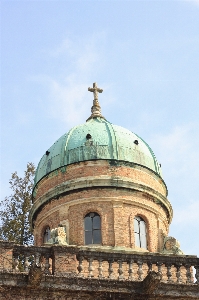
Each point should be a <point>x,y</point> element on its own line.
<point>97,139</point>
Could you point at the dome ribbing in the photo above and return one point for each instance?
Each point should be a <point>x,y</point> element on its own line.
<point>94,140</point>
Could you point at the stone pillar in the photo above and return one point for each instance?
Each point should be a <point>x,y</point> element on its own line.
<point>118,224</point>
<point>64,260</point>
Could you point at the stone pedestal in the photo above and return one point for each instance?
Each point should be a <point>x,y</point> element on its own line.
<point>6,255</point>
<point>64,262</point>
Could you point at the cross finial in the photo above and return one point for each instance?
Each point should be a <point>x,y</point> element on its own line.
<point>95,91</point>
<point>95,109</point>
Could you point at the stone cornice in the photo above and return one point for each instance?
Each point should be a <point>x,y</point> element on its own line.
<point>102,181</point>
<point>112,162</point>
<point>70,285</point>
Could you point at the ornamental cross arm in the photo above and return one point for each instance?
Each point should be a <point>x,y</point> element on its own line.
<point>95,90</point>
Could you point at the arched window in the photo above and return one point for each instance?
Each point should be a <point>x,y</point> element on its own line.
<point>92,228</point>
<point>140,232</point>
<point>46,236</point>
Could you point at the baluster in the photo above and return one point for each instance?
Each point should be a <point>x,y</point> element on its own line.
<point>47,264</point>
<point>197,274</point>
<point>149,267</point>
<point>110,270</point>
<point>80,268</point>
<point>26,264</point>
<point>16,264</point>
<point>37,259</point>
<point>159,264</point>
<point>178,273</point>
<point>100,269</point>
<point>139,272</point>
<point>120,271</point>
<point>169,274</point>
<point>130,271</point>
<point>188,274</point>
<point>90,267</point>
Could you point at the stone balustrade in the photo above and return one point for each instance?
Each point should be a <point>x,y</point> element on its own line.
<point>16,258</point>
<point>135,267</point>
<point>99,263</point>
<point>24,257</point>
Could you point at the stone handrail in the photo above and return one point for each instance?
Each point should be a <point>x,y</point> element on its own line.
<point>25,256</point>
<point>136,266</point>
<point>109,264</point>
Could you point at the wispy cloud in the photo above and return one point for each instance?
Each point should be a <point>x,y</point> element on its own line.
<point>81,62</point>
<point>179,149</point>
<point>68,91</point>
<point>68,100</point>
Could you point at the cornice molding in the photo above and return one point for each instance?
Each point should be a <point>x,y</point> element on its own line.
<point>103,182</point>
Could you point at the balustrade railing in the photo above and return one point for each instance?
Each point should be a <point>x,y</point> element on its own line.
<point>25,257</point>
<point>135,267</point>
<point>100,264</point>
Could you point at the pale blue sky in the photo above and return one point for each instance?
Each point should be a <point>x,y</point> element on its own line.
<point>144,54</point>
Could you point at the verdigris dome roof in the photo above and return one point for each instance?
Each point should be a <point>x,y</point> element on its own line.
<point>97,139</point>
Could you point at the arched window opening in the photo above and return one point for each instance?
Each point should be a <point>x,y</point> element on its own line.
<point>140,232</point>
<point>46,236</point>
<point>92,228</point>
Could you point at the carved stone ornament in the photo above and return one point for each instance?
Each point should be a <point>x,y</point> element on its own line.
<point>151,282</point>
<point>58,236</point>
<point>171,246</point>
<point>35,275</point>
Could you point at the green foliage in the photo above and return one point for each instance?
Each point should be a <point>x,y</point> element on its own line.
<point>15,209</point>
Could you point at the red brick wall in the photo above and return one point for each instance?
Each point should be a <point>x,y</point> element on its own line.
<point>97,168</point>
<point>116,206</point>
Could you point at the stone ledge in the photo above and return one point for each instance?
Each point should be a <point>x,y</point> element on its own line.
<point>102,181</point>
<point>66,285</point>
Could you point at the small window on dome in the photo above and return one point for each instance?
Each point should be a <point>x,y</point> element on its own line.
<point>92,228</point>
<point>140,232</point>
<point>88,136</point>
<point>46,235</point>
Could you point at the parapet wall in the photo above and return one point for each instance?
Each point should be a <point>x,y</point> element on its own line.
<point>76,272</point>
